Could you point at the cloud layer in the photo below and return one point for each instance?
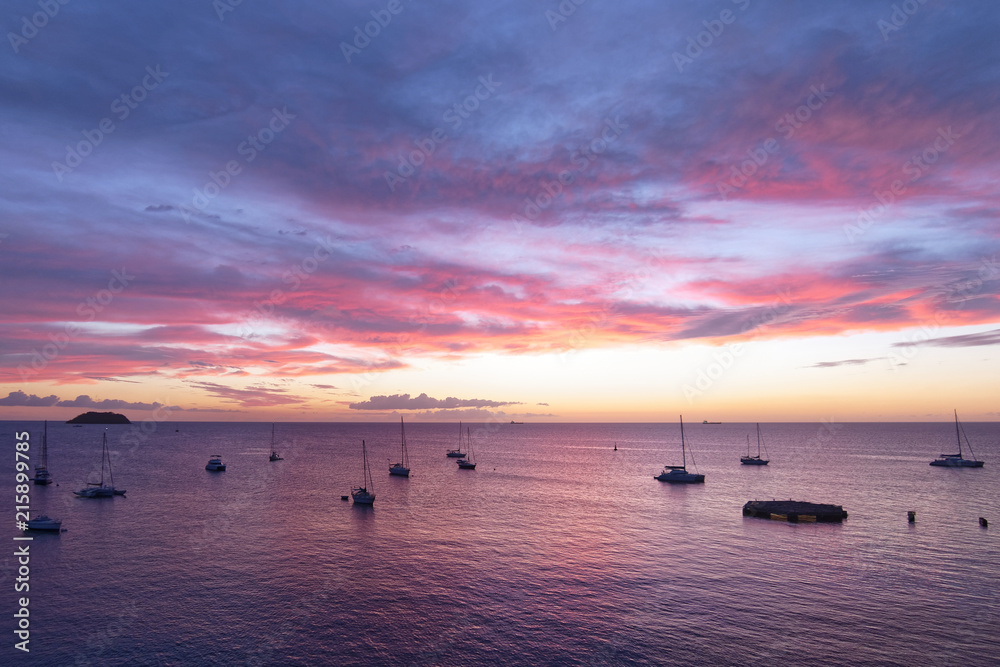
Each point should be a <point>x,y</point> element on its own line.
<point>227,200</point>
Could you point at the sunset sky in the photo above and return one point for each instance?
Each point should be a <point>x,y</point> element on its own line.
<point>541,211</point>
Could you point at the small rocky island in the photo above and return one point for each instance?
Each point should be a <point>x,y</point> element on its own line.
<point>99,418</point>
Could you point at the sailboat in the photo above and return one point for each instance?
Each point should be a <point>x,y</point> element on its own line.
<point>956,460</point>
<point>42,475</point>
<point>457,453</point>
<point>100,489</point>
<point>364,494</point>
<point>468,463</point>
<point>754,460</point>
<point>274,455</point>
<point>679,474</point>
<point>403,467</point>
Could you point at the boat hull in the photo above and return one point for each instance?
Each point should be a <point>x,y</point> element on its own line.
<point>362,497</point>
<point>98,492</point>
<point>953,462</point>
<point>753,461</point>
<point>465,465</point>
<point>680,478</point>
<point>452,454</point>
<point>399,471</point>
<point>44,523</point>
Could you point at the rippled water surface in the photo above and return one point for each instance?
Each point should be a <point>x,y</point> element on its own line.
<point>555,550</point>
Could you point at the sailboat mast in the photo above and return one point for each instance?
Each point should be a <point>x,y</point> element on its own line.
<point>364,464</point>
<point>272,437</point>
<point>958,436</point>
<point>45,445</point>
<point>402,442</point>
<point>104,455</point>
<point>683,454</point>
<point>758,440</point>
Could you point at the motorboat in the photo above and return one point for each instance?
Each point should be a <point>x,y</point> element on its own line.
<point>215,464</point>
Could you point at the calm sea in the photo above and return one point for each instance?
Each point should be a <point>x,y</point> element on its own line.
<point>555,550</point>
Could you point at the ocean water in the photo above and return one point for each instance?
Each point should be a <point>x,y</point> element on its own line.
<point>555,550</point>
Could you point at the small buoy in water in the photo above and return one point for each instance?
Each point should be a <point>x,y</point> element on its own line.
<point>983,522</point>
<point>616,446</point>
<point>911,516</point>
<point>343,497</point>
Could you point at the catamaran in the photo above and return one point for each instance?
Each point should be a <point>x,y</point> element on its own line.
<point>364,494</point>
<point>403,467</point>
<point>679,474</point>
<point>100,489</point>
<point>956,460</point>
<point>754,460</point>
<point>42,475</point>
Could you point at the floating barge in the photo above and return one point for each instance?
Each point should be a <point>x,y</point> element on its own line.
<point>794,511</point>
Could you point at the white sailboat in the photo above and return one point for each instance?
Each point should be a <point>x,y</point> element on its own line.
<point>956,460</point>
<point>274,455</point>
<point>42,475</point>
<point>468,463</point>
<point>364,494</point>
<point>457,453</point>
<point>215,464</point>
<point>679,474</point>
<point>403,467</point>
<point>100,489</point>
<point>754,460</point>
